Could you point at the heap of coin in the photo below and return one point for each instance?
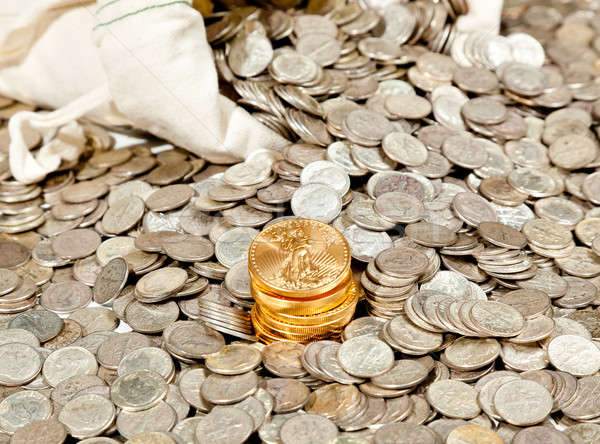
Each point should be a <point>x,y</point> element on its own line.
<point>472,227</point>
<point>301,281</point>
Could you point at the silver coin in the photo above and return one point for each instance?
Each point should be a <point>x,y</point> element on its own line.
<point>66,362</point>
<point>222,389</point>
<point>87,415</point>
<point>316,201</point>
<point>227,425</point>
<point>127,393</point>
<point>232,246</point>
<point>365,356</point>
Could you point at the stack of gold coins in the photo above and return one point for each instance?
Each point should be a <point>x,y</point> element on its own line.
<point>301,281</point>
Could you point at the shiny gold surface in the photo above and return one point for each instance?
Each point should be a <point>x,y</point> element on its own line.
<point>305,306</point>
<point>271,326</point>
<point>319,318</point>
<point>299,258</point>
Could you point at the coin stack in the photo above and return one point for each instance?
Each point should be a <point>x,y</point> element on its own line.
<point>301,281</point>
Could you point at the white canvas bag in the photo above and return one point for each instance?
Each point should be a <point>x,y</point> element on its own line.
<point>144,63</point>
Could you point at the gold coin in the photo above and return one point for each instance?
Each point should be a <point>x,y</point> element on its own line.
<point>299,258</point>
<point>305,306</point>
<point>324,317</point>
<point>297,333</point>
<point>269,326</point>
<point>268,334</point>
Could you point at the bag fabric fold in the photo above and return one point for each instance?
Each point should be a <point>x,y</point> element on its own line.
<point>141,63</point>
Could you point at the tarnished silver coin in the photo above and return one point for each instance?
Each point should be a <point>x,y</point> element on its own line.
<point>110,281</point>
<point>284,359</point>
<point>138,390</point>
<point>226,425</point>
<point>222,389</point>
<point>308,429</point>
<point>87,416</point>
<point>44,324</point>
<point>234,359</point>
<point>147,358</point>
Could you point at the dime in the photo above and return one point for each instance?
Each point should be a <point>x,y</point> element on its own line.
<point>411,433</point>
<point>232,246</point>
<point>401,262</point>
<point>574,354</point>
<point>13,254</point>
<point>66,362</point>
<point>9,280</point>
<point>430,235</point>
<point>473,209</point>
<point>50,431</point>
<point>189,249</point>
<point>572,151</point>
<point>66,297</point>
<point>581,432</point>
<point>71,387</point>
<point>123,215</point>
<point>405,373</point>
<point>126,390</point>
<point>326,173</point>
<point>454,399</point>
<point>283,359</point>
<point>471,434</point>
<point>161,417</point>
<point>222,389</point>
<point>112,350</point>
<point>316,201</point>
<point>20,364</point>
<point>193,340</point>
<point>329,365</point>
<point>308,429</point>
<point>540,432</point>
<point>404,148</point>
<point>365,356</point>
<point>512,396</point>
<point>398,207</point>
<point>150,358</point>
<point>162,283</point>
<point>497,319</point>
<point>87,415</point>
<point>110,281</point>
<point>234,359</point>
<point>471,353</point>
<point>76,244</point>
<point>37,406</point>
<point>44,324</point>
<point>288,394</point>
<point>501,235</point>
<point>151,318</point>
<point>229,424</point>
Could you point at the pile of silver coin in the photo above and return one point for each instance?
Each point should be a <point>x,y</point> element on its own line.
<point>461,168</point>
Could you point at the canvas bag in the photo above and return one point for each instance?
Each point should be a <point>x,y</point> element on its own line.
<point>144,63</point>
